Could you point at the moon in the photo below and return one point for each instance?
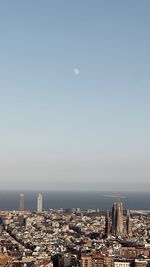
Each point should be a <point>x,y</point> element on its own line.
<point>76,71</point>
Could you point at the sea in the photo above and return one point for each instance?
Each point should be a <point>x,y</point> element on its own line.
<point>9,200</point>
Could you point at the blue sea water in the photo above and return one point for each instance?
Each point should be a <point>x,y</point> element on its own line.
<point>9,200</point>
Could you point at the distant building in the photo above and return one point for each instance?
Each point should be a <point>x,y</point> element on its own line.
<point>20,222</point>
<point>39,203</point>
<point>5,260</point>
<point>21,202</point>
<point>107,224</point>
<point>97,259</point>
<point>128,224</point>
<point>64,260</point>
<point>117,219</point>
<point>121,263</point>
<point>140,263</point>
<point>132,252</point>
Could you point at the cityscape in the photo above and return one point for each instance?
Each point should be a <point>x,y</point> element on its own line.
<point>74,237</point>
<point>75,133</point>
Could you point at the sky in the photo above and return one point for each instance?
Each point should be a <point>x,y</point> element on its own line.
<point>74,94</point>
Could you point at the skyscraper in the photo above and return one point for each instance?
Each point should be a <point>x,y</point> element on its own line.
<point>39,202</point>
<point>21,202</point>
<point>117,219</point>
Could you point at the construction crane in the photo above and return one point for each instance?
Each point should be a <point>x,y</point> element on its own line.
<point>118,197</point>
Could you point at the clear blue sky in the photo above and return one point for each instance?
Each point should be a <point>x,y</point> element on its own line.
<point>89,129</point>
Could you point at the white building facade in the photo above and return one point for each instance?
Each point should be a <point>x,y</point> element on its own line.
<point>39,203</point>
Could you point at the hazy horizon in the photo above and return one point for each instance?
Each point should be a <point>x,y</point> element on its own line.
<point>75,94</point>
<point>117,188</point>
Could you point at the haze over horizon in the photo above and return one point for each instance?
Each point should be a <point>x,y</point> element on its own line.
<point>75,94</point>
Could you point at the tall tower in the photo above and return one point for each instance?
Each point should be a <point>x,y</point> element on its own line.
<point>114,216</point>
<point>39,202</point>
<point>107,224</point>
<point>21,202</point>
<point>128,224</point>
<point>117,219</point>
